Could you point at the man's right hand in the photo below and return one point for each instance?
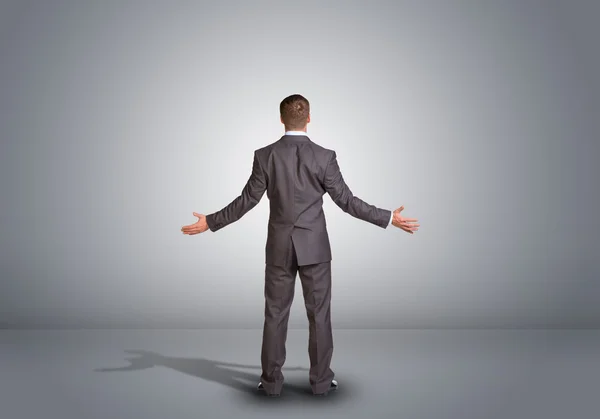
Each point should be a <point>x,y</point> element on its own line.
<point>407,224</point>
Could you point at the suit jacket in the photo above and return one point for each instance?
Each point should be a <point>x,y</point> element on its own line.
<point>296,172</point>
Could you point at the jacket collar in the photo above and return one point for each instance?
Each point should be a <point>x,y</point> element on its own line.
<point>295,136</point>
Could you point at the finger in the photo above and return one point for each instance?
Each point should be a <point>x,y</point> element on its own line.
<point>407,229</point>
<point>399,209</point>
<point>409,224</point>
<point>196,214</point>
<point>410,219</point>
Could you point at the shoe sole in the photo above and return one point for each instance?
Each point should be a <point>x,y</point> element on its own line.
<point>262,390</point>
<point>326,393</point>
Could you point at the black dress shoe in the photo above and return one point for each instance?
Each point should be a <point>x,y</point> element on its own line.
<point>262,388</point>
<point>332,387</point>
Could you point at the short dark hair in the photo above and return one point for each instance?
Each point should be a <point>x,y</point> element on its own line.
<point>294,112</point>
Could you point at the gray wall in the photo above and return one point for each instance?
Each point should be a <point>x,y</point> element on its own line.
<point>120,119</point>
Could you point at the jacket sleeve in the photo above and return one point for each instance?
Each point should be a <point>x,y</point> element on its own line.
<point>340,193</point>
<point>250,196</point>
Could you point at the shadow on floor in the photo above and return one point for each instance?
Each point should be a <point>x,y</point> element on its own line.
<point>224,373</point>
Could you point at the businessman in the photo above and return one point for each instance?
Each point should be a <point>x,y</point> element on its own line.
<point>295,173</point>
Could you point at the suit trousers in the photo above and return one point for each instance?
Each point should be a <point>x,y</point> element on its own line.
<point>279,294</point>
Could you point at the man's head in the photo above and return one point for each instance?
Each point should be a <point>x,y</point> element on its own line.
<point>295,113</point>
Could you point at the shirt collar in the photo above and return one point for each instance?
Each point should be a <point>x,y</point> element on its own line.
<point>295,133</point>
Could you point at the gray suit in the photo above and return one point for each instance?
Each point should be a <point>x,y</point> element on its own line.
<point>296,172</point>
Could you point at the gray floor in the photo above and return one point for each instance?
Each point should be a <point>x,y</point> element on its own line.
<point>164,374</point>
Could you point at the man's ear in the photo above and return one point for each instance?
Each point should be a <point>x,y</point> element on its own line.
<point>281,118</point>
<point>308,119</point>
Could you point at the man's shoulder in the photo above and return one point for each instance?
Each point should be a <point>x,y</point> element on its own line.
<point>320,148</point>
<point>268,146</point>
<point>264,151</point>
<point>321,154</point>
<point>279,143</point>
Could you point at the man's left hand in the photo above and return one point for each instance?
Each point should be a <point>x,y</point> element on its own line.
<point>199,227</point>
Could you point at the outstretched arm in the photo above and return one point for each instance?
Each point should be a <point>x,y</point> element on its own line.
<point>250,196</point>
<point>340,193</point>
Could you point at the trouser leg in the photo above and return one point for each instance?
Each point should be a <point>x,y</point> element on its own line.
<point>279,294</point>
<point>316,286</point>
